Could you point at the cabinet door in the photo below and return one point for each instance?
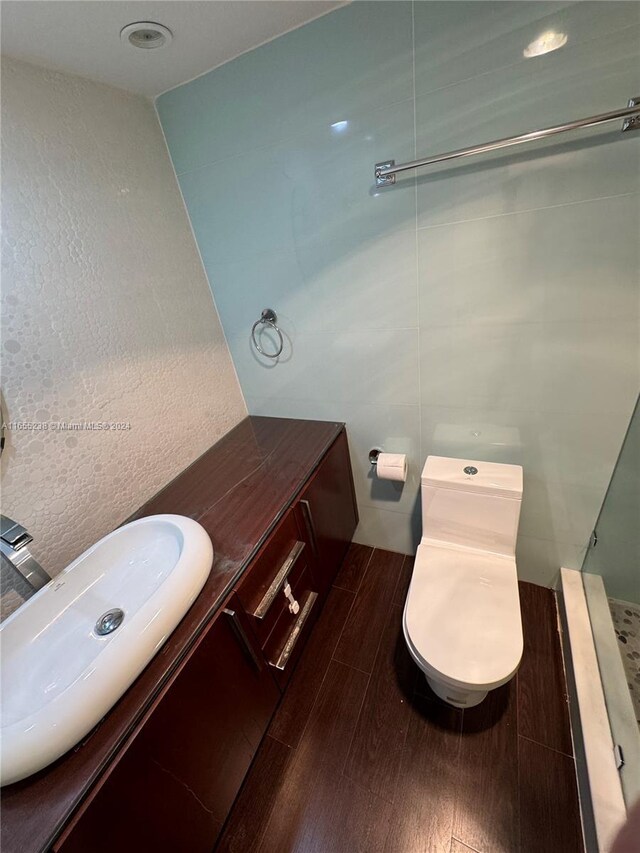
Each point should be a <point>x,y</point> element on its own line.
<point>327,512</point>
<point>175,784</point>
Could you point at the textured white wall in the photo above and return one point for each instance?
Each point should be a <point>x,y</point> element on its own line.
<point>106,312</point>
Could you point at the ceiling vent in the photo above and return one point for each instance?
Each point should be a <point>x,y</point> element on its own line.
<point>146,35</point>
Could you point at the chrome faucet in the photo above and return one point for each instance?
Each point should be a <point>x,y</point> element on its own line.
<point>13,545</point>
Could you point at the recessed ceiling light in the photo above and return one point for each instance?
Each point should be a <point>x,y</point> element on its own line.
<point>146,35</point>
<point>545,44</point>
<point>339,126</point>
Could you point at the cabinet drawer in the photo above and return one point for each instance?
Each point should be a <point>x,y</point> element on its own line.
<point>284,557</point>
<point>290,631</point>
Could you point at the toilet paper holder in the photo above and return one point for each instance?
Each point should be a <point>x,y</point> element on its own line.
<point>374,453</point>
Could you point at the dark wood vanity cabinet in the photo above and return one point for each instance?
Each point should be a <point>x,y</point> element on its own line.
<point>327,513</point>
<point>176,782</point>
<point>163,768</point>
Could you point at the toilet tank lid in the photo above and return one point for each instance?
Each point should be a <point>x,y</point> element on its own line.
<point>493,478</point>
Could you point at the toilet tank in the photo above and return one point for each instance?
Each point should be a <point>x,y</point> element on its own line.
<point>473,504</point>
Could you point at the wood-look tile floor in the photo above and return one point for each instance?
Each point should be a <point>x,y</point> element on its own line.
<point>361,756</point>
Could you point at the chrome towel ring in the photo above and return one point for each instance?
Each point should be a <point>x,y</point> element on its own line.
<point>267,318</point>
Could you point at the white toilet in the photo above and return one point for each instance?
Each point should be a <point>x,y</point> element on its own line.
<point>462,614</point>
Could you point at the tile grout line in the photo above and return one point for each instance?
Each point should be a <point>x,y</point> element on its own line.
<point>281,742</point>
<point>398,582</point>
<point>346,776</point>
<point>227,822</point>
<point>355,728</point>
<point>343,589</point>
<point>355,595</point>
<point>474,849</point>
<point>349,666</point>
<point>511,65</point>
<point>315,701</point>
<point>364,788</point>
<point>392,605</point>
<point>417,232</point>
<point>364,572</point>
<point>524,210</point>
<point>546,746</point>
<point>375,660</point>
<point>457,787</point>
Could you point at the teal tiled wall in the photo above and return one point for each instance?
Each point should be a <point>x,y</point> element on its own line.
<point>484,309</point>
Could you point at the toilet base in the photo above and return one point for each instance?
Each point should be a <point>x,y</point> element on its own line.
<point>453,696</point>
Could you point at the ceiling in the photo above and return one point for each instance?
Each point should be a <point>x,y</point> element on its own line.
<point>83,37</point>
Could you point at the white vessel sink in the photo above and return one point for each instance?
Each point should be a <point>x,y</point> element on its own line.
<point>59,674</point>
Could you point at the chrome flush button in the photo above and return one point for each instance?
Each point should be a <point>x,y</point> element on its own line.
<point>470,470</point>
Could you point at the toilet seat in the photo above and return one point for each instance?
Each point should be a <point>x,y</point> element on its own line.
<point>462,616</point>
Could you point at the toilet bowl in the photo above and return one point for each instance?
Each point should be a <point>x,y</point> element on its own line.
<point>462,613</point>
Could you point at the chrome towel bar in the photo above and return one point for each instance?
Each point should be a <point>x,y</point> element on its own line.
<point>385,173</point>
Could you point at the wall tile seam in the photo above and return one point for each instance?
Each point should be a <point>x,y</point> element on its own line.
<point>521,536</point>
<point>492,409</point>
<point>626,322</point>
<point>238,333</point>
<point>415,201</point>
<point>378,508</point>
<point>384,406</point>
<point>521,62</point>
<point>535,410</point>
<point>282,249</point>
<point>391,512</point>
<point>345,402</point>
<point>478,320</point>
<point>559,542</point>
<point>528,210</point>
<point>566,482</point>
<point>532,411</point>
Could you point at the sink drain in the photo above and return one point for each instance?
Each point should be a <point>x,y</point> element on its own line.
<point>109,621</point>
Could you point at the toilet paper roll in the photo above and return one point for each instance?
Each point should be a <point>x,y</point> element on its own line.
<point>392,466</point>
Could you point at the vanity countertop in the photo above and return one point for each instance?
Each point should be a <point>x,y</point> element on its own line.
<point>238,490</point>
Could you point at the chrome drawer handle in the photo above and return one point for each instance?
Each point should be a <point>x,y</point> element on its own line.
<point>294,636</point>
<point>311,528</point>
<point>276,584</point>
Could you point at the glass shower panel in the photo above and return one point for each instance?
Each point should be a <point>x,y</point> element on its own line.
<point>612,586</point>
<point>616,556</point>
